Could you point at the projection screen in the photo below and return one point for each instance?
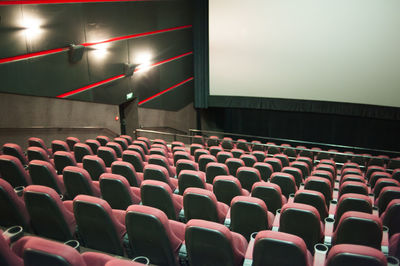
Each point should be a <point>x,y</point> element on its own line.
<point>340,51</point>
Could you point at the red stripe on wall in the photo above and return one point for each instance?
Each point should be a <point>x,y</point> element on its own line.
<point>90,86</point>
<point>34,2</point>
<point>30,55</point>
<point>164,91</point>
<point>52,51</point>
<point>169,60</point>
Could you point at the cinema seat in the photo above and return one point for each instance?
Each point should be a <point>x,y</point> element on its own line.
<point>7,256</point>
<point>135,159</point>
<point>320,184</point>
<point>213,141</point>
<point>210,243</point>
<point>225,188</point>
<point>256,145</point>
<point>312,198</point>
<point>82,149</point>
<point>324,174</point>
<point>202,204</point>
<point>177,144</point>
<point>386,196</point>
<point>352,202</point>
<point>278,248</point>
<point>128,138</point>
<point>37,153</point>
<point>152,235</point>
<point>222,156</point>
<point>159,195</point>
<point>198,140</point>
<point>214,150</point>
<point>275,162</point>
<point>303,166</point>
<point>94,215</point>
<point>159,173</point>
<point>184,164</point>
<point>38,142</point>
<point>265,170</point>
<point>182,155</point>
<point>233,165</point>
<point>103,140</point>
<point>285,181</point>
<point>115,189</point>
<point>353,187</point>
<point>283,158</point>
<point>348,254</point>
<point>270,193</point>
<point>215,169</point>
<point>126,170</point>
<point>248,159</point>
<point>145,140</point>
<point>302,220</point>
<point>95,166</point>
<point>15,150</point>
<point>376,176</point>
<point>200,152</point>
<point>260,155</point>
<point>77,181</point>
<point>194,147</point>
<point>122,142</point>
<point>247,176</point>
<point>237,153</point>
<point>63,159</point>
<point>143,145</point>
<point>71,141</point>
<point>307,160</point>
<point>384,182</point>
<point>227,144</point>
<point>203,161</point>
<point>391,217</point>
<point>50,217</point>
<point>162,161</point>
<point>12,170</point>
<point>371,169</point>
<point>190,178</point>
<point>249,215</point>
<point>59,145</point>
<point>93,144</point>
<point>108,155</point>
<point>358,228</point>
<point>296,173</point>
<point>44,174</point>
<point>12,207</point>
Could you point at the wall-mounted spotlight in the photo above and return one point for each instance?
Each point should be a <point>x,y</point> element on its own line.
<point>129,69</point>
<point>100,50</point>
<point>144,62</point>
<point>32,27</point>
<point>75,52</point>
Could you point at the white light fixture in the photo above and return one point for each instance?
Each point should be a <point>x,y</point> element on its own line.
<point>144,62</point>
<point>32,27</point>
<point>100,50</point>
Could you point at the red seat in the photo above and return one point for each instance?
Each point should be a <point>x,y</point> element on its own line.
<point>43,173</point>
<point>225,188</point>
<point>77,181</point>
<point>160,173</point>
<point>12,170</point>
<point>270,193</point>
<point>348,254</point>
<point>16,151</point>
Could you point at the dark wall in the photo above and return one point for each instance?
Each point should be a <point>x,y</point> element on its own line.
<point>162,29</point>
<point>315,127</point>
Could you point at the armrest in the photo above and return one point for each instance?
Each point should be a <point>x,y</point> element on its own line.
<point>13,233</point>
<point>227,221</point>
<point>248,258</point>
<point>385,240</point>
<point>275,225</point>
<point>375,211</point>
<point>291,198</point>
<point>335,194</point>
<point>320,251</point>
<point>329,223</point>
<point>332,208</point>
<point>372,196</point>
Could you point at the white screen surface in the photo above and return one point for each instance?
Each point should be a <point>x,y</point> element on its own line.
<point>341,51</point>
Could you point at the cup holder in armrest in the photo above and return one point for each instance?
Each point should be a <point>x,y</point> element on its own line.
<point>14,233</point>
<point>74,244</point>
<point>19,190</point>
<point>142,259</point>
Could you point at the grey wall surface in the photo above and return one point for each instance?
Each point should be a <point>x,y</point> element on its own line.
<point>22,117</point>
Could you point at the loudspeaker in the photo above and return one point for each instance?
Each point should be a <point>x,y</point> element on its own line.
<point>129,69</point>
<point>75,52</point>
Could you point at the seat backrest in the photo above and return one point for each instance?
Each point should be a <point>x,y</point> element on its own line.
<point>12,207</point>
<point>265,170</point>
<point>275,162</point>
<point>278,248</point>
<point>71,141</point>
<point>375,176</point>
<point>126,170</point>
<point>283,158</point>
<point>142,144</point>
<point>352,177</point>
<point>49,217</point>
<point>225,188</point>
<point>257,146</point>
<point>302,220</point>
<point>63,159</point>
<point>373,168</point>
<point>285,181</point>
<point>108,155</point>
<point>116,191</point>
<point>198,139</point>
<point>122,141</point>
<point>16,151</point>
<point>210,243</point>
<point>37,153</point>
<point>260,155</point>
<point>222,156</point>
<point>184,164</point>
<point>162,161</point>
<point>248,176</point>
<point>353,187</point>
<point>7,256</point>
<point>233,165</point>
<point>384,182</point>
<point>203,161</point>
<point>270,193</point>
<point>116,147</point>
<point>159,195</point>
<point>352,202</point>
<point>272,148</point>
<point>214,150</point>
<point>194,147</point>
<point>201,204</point>
<point>181,155</point>
<point>227,144</point>
<point>12,170</point>
<point>103,140</point>
<point>94,165</point>
<point>59,145</point>
<point>93,144</point>
<point>358,228</point>
<point>40,251</point>
<point>43,173</point>
<point>248,159</point>
<point>157,172</point>
<point>133,158</point>
<point>348,254</point>
<point>241,144</point>
<point>137,149</point>
<point>303,166</point>
<point>391,217</point>
<point>38,142</point>
<point>82,149</point>
<point>386,196</point>
<point>215,169</point>
<point>237,153</point>
<point>320,184</point>
<point>248,215</point>
<point>200,152</point>
<point>296,173</point>
<point>151,236</point>
<point>146,141</point>
<point>77,181</point>
<point>325,174</point>
<point>190,178</point>
<point>213,141</point>
<point>313,198</point>
<point>94,215</point>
